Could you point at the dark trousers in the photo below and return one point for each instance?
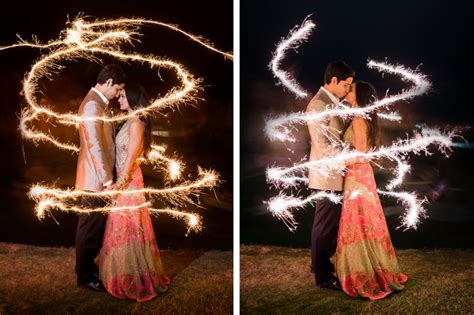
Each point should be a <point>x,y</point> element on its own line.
<point>324,238</point>
<point>89,236</point>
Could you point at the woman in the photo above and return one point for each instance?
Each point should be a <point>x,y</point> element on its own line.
<point>365,260</point>
<point>129,261</point>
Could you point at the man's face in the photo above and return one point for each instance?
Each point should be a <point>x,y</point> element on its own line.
<point>351,96</point>
<point>343,87</point>
<point>113,90</point>
<point>116,89</point>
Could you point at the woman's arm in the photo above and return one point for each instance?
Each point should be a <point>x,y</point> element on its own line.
<point>135,147</point>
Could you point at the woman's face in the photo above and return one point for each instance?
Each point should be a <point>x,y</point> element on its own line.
<point>123,100</point>
<point>351,96</point>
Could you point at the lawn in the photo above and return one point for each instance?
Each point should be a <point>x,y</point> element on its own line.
<point>277,280</point>
<point>38,280</point>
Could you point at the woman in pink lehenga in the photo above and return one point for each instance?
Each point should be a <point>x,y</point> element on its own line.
<point>129,261</point>
<point>365,260</point>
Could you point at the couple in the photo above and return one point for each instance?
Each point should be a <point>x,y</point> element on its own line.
<point>350,243</point>
<point>117,252</point>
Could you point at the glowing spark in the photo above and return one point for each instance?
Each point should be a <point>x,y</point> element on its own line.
<point>390,116</point>
<point>156,157</point>
<point>193,220</point>
<point>175,170</point>
<point>402,169</point>
<point>354,194</point>
<point>86,40</point>
<point>296,36</point>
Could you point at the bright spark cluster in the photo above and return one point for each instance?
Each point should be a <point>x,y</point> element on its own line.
<point>88,40</point>
<point>280,128</point>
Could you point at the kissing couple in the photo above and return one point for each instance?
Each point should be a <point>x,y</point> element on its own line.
<point>351,247</point>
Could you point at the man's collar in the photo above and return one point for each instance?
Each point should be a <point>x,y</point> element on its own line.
<point>102,96</point>
<point>333,98</point>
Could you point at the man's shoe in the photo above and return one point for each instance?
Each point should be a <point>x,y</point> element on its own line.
<point>332,284</point>
<point>95,285</point>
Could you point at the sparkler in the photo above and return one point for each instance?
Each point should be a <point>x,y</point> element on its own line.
<point>280,128</point>
<point>297,36</point>
<point>156,157</point>
<point>280,206</point>
<point>415,207</point>
<point>105,37</point>
<point>176,195</point>
<point>193,220</point>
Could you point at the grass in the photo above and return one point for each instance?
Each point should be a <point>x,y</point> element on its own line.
<point>41,280</point>
<point>277,280</point>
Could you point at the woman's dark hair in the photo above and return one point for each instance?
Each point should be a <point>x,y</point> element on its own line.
<point>137,98</point>
<point>365,95</point>
<point>338,69</point>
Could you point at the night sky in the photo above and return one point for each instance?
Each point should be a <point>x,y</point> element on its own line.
<point>198,130</point>
<point>434,35</point>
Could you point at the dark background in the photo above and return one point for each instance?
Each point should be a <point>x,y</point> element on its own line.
<point>435,35</point>
<point>201,135</point>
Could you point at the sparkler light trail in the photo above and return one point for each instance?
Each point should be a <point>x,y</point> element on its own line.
<point>176,195</point>
<point>297,36</point>
<point>156,157</point>
<point>398,150</point>
<point>87,40</point>
<point>280,206</point>
<point>415,207</point>
<point>281,177</point>
<point>281,128</point>
<point>193,220</point>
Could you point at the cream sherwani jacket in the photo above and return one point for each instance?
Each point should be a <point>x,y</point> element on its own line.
<point>320,143</point>
<point>97,152</point>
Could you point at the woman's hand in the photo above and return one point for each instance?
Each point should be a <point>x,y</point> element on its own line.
<point>111,187</point>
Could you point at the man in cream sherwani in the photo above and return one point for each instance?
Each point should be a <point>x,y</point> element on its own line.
<point>337,81</point>
<point>94,171</point>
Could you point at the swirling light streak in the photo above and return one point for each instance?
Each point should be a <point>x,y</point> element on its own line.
<point>296,36</point>
<point>282,205</point>
<point>419,143</point>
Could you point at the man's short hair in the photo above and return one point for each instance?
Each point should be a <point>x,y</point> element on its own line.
<point>338,69</point>
<point>114,72</point>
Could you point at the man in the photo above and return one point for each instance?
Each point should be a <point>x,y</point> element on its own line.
<point>337,82</point>
<point>95,171</point>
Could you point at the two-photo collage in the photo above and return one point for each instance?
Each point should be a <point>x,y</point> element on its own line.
<point>236,157</point>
